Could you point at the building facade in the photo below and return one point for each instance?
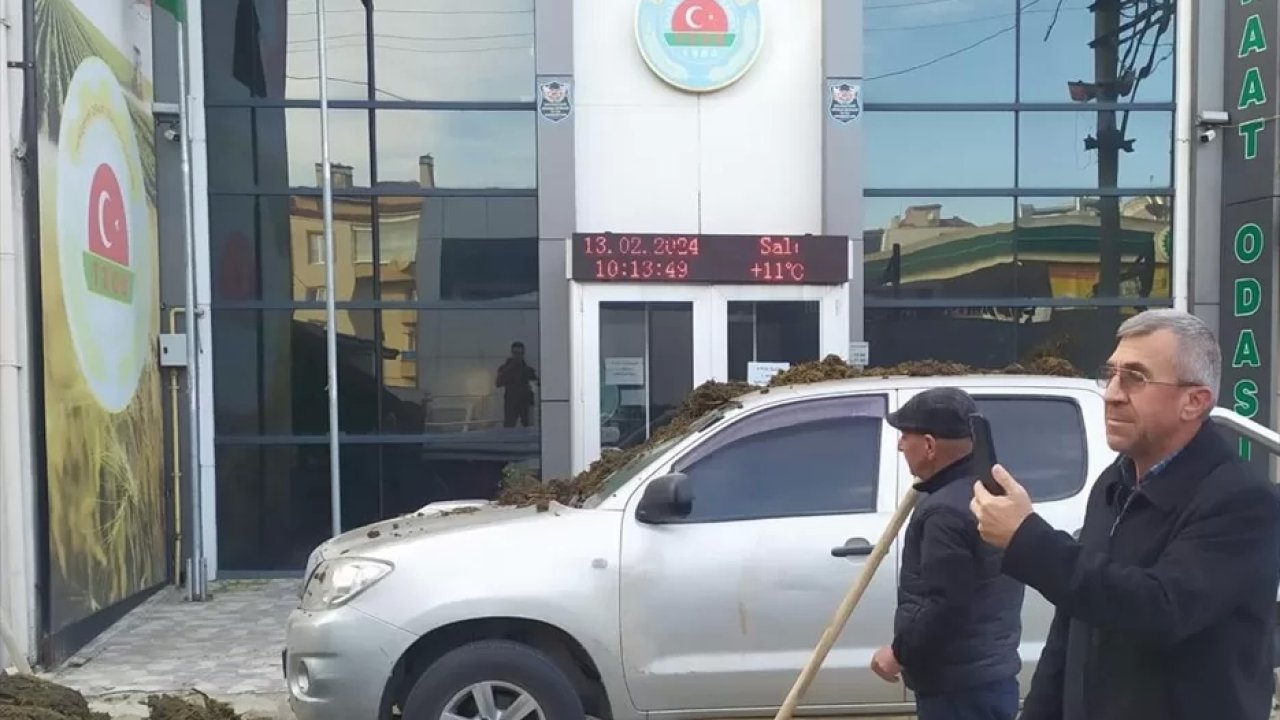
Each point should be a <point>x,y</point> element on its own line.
<point>552,220</point>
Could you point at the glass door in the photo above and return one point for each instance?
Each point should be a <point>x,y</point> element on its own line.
<point>760,330</point>
<point>638,352</point>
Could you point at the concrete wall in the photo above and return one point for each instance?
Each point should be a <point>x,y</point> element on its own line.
<point>842,155</point>
<point>1206,216</point>
<point>557,204</point>
<point>19,530</point>
<point>746,159</point>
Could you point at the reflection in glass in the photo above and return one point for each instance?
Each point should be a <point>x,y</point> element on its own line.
<point>939,149</point>
<point>469,371</point>
<point>1071,247</point>
<point>267,48</point>
<point>772,332</point>
<point>458,248</point>
<point>993,337</point>
<point>271,373</point>
<point>1082,247</point>
<point>346,41</point>
<point>1063,149</point>
<point>274,502</point>
<point>939,247</point>
<point>457,149</point>
<point>454,50</point>
<point>1058,64</point>
<point>940,51</point>
<point>646,368</point>
<point>272,248</point>
<point>276,149</point>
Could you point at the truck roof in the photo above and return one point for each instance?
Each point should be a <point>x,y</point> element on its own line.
<point>770,395</point>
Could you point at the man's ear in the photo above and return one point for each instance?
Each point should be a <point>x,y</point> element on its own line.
<point>1198,404</point>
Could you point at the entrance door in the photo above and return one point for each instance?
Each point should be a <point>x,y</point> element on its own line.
<point>771,325</point>
<point>637,350</point>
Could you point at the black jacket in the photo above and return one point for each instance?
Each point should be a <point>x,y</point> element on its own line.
<point>1170,614</point>
<point>959,621</point>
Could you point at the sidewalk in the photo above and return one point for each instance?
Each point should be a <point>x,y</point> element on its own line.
<point>227,647</point>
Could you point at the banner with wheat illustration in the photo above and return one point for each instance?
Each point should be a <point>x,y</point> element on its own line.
<point>99,286</point>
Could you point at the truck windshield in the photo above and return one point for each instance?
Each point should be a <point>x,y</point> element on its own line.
<point>624,474</point>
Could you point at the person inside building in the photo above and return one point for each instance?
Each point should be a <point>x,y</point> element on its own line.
<point>959,620</point>
<point>515,377</point>
<point>1165,605</point>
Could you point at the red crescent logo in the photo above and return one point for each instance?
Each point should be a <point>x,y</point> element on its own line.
<point>108,227</point>
<point>700,16</point>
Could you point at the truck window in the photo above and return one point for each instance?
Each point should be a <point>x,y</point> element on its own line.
<point>813,457</point>
<point>1041,441</point>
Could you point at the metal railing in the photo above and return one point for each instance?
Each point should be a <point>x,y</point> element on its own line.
<point>1257,432</point>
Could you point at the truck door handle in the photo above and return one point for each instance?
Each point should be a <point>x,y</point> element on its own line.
<point>852,547</point>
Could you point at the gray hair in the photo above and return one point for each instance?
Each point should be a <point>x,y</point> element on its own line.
<point>1199,358</point>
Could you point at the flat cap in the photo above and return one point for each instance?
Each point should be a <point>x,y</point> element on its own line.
<point>942,412</point>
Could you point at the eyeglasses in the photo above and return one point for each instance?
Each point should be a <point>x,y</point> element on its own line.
<point>1132,380</point>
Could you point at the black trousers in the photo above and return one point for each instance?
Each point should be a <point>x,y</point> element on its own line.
<point>993,701</point>
<point>513,412</point>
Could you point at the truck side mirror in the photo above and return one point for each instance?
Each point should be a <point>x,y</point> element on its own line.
<point>666,498</point>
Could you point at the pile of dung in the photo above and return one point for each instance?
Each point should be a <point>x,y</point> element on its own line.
<point>23,697</point>
<point>168,707</point>
<point>524,489</point>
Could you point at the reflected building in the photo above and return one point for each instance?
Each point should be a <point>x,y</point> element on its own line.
<point>1049,250</point>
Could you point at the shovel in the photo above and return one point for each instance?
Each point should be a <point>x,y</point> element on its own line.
<point>847,605</point>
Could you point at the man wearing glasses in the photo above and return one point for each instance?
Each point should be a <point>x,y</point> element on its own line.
<point>1166,604</point>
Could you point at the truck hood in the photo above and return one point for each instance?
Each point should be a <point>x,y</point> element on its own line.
<point>431,519</point>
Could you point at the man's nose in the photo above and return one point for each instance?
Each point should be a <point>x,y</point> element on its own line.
<point>1112,392</point>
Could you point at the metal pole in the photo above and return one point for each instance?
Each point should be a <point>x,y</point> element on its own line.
<point>195,580</point>
<point>330,314</point>
<point>1183,146</point>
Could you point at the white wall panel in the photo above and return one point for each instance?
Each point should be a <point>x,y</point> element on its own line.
<point>652,158</point>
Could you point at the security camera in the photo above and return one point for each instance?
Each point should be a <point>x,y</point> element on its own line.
<point>171,133</point>
<point>1207,135</point>
<point>1213,118</point>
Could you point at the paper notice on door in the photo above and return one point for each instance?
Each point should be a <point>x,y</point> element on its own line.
<point>759,373</point>
<point>624,371</point>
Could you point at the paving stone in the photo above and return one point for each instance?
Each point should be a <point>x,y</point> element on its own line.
<point>228,645</point>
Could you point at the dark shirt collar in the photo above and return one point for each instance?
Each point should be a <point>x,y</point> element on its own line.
<point>961,468</point>
<point>1171,482</point>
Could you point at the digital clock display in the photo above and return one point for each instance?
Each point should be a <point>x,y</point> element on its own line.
<point>729,259</point>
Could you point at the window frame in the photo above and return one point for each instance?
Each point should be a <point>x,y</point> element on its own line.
<point>1083,436</point>
<point>734,431</point>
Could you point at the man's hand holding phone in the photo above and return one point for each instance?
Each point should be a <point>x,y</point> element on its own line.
<point>1000,516</point>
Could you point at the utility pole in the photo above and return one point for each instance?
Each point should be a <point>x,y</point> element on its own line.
<point>1106,59</point>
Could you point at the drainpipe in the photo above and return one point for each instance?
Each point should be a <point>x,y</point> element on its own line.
<point>1184,133</point>
<point>11,475</point>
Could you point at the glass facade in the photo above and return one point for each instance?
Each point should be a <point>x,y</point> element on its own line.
<point>435,227</point>
<point>1019,164</point>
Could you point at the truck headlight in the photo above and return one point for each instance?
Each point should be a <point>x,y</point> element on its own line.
<point>335,582</point>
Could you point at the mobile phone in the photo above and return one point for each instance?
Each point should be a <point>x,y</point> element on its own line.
<point>984,452</point>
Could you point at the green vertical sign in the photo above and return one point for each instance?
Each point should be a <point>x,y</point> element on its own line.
<point>1251,200</point>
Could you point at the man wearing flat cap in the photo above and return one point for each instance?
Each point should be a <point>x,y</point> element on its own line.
<point>959,620</point>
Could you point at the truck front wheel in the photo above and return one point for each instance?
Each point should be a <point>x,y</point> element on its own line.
<point>493,680</point>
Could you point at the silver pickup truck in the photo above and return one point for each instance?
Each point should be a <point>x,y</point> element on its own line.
<point>694,584</point>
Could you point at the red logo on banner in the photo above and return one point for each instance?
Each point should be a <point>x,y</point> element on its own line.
<point>108,228</point>
<point>106,264</point>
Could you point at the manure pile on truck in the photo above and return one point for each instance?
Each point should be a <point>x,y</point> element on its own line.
<point>524,490</point>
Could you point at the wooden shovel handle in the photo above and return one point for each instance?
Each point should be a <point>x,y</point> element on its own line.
<point>847,605</point>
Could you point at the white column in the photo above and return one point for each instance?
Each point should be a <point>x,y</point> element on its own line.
<point>17,491</point>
